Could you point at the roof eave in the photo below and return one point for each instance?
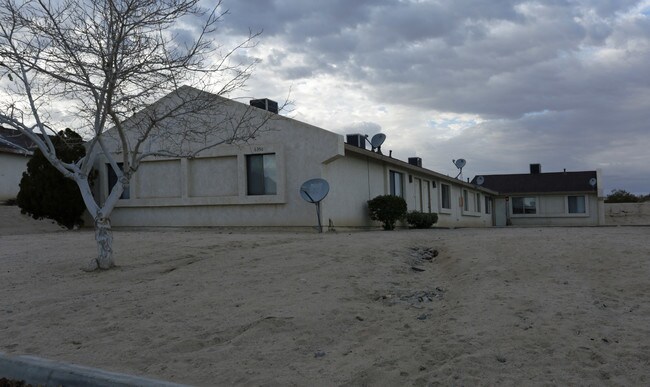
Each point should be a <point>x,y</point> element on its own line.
<point>414,168</point>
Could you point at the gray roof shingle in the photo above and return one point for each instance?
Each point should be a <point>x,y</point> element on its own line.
<point>13,141</point>
<point>540,182</point>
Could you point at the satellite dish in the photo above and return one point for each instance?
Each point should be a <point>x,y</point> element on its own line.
<point>592,182</point>
<point>314,191</point>
<point>460,163</point>
<point>480,180</point>
<point>377,140</point>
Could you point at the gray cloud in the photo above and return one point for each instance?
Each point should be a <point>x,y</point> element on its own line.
<point>566,81</point>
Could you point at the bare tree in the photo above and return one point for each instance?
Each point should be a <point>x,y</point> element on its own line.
<point>108,61</point>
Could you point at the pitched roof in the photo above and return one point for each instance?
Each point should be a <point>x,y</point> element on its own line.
<point>405,165</point>
<point>540,182</point>
<point>13,141</point>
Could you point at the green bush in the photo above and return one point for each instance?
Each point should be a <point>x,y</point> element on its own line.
<point>622,196</point>
<point>417,219</point>
<point>45,192</point>
<point>387,209</point>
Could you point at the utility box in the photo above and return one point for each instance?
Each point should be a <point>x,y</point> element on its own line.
<point>358,140</point>
<point>417,161</point>
<point>265,104</point>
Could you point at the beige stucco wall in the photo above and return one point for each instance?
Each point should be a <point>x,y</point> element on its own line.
<point>12,167</point>
<point>355,179</point>
<point>552,211</point>
<point>457,216</point>
<point>210,190</point>
<point>627,213</point>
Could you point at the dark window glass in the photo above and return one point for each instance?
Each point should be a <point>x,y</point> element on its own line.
<point>446,196</point>
<point>261,174</point>
<point>112,180</point>
<point>524,205</point>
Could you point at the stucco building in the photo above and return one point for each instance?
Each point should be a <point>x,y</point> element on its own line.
<point>547,199</point>
<point>258,183</point>
<point>16,150</point>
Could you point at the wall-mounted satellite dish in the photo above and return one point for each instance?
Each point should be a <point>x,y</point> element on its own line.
<point>460,163</point>
<point>376,141</point>
<point>313,191</point>
<point>480,180</point>
<point>592,182</point>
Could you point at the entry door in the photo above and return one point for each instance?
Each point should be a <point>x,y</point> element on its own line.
<point>427,195</point>
<point>500,214</point>
<point>418,194</point>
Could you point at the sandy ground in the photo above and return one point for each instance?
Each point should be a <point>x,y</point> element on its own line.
<point>515,306</point>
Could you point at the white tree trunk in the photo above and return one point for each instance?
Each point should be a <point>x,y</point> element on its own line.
<point>104,238</point>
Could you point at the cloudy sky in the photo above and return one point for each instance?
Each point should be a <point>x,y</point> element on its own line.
<point>563,83</point>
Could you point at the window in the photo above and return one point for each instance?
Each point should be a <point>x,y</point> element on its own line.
<point>478,202</point>
<point>488,205</point>
<point>112,180</point>
<point>396,179</point>
<point>577,205</point>
<point>446,196</point>
<point>524,205</point>
<point>261,174</point>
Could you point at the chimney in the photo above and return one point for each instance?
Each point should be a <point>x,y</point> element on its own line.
<point>358,140</point>
<point>535,169</point>
<point>265,104</point>
<point>417,161</point>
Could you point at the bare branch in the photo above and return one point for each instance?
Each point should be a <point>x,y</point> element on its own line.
<point>104,64</point>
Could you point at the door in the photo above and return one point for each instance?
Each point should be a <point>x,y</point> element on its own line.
<point>426,189</point>
<point>418,194</point>
<point>500,209</point>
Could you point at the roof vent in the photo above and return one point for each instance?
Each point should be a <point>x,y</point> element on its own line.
<point>535,169</point>
<point>358,140</point>
<point>265,104</point>
<point>417,161</point>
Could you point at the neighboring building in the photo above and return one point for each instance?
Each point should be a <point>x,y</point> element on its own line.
<point>546,199</point>
<point>257,183</point>
<point>16,150</point>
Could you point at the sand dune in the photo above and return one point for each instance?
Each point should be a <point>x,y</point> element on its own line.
<point>523,306</point>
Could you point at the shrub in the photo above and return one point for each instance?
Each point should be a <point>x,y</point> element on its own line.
<point>417,219</point>
<point>45,192</point>
<point>387,209</point>
<point>622,196</point>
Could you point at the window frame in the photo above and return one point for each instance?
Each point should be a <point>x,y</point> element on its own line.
<point>524,213</point>
<point>445,200</point>
<point>393,183</point>
<point>272,176</point>
<point>111,180</point>
<point>584,204</point>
